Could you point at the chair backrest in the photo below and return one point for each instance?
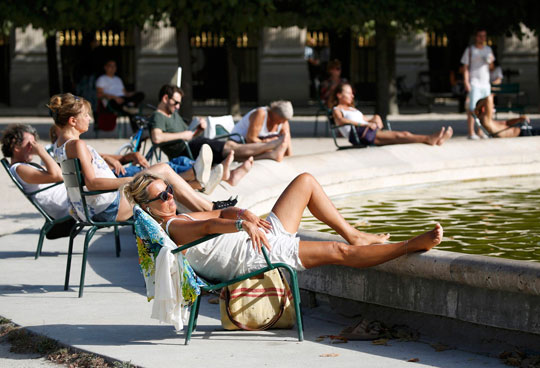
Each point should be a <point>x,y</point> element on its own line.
<point>219,125</point>
<point>479,125</point>
<point>506,88</point>
<point>29,196</point>
<point>74,182</point>
<point>150,239</point>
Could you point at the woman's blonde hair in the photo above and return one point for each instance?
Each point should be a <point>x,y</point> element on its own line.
<point>63,106</point>
<point>136,191</point>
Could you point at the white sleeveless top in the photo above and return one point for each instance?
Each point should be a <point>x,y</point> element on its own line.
<point>98,203</point>
<point>353,115</point>
<point>242,126</point>
<point>54,200</point>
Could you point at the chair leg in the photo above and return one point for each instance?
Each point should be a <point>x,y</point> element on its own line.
<point>117,241</point>
<point>87,239</point>
<point>296,300</point>
<point>198,306</point>
<point>44,230</point>
<point>73,233</point>
<point>192,317</point>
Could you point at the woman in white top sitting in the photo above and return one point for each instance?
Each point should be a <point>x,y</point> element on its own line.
<point>71,116</point>
<point>19,143</point>
<point>267,123</point>
<point>369,130</point>
<point>238,249</point>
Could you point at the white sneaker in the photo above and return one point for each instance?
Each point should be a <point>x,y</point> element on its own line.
<point>203,165</point>
<point>215,178</point>
<point>473,137</point>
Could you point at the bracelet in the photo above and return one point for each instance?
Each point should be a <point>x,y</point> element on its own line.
<point>238,225</point>
<point>240,213</point>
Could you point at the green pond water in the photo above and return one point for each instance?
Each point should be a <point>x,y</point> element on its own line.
<point>496,217</point>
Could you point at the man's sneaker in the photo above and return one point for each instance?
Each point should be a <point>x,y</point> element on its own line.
<point>203,165</point>
<point>473,137</point>
<point>219,205</point>
<point>215,178</point>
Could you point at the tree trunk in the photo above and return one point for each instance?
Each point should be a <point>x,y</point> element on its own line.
<point>184,60</point>
<point>234,82</point>
<point>52,65</point>
<point>385,56</point>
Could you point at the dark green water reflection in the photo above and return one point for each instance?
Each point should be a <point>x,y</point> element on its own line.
<point>496,217</point>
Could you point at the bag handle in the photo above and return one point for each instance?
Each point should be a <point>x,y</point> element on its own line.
<point>266,325</point>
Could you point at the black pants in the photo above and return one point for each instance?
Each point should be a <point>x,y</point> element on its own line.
<point>133,101</point>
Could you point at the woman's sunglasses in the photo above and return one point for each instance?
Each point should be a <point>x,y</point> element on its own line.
<point>163,195</point>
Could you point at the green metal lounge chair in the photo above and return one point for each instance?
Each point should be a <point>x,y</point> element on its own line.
<point>73,178</point>
<point>488,134</point>
<point>50,223</point>
<point>151,238</point>
<point>335,133</point>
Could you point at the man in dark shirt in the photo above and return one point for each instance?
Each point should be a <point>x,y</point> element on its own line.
<point>168,125</point>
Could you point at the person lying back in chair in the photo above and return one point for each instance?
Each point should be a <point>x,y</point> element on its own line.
<point>19,144</point>
<point>238,250</point>
<point>369,130</point>
<point>484,111</point>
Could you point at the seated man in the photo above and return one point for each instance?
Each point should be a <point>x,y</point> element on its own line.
<point>167,125</point>
<point>501,129</point>
<point>268,123</point>
<point>110,87</point>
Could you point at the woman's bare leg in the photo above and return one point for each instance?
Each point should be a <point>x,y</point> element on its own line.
<point>386,137</point>
<point>244,151</point>
<point>313,254</point>
<point>183,193</point>
<point>304,191</point>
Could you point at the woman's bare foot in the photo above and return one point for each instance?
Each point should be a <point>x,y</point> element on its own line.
<point>227,166</point>
<point>362,238</point>
<point>446,136</point>
<point>435,137</point>
<point>426,241</point>
<point>241,171</point>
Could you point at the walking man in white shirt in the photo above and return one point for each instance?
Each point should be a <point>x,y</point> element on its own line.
<point>477,61</point>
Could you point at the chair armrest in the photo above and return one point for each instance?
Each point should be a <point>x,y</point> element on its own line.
<point>96,192</point>
<point>241,137</point>
<point>212,236</point>
<point>43,189</point>
<point>194,243</point>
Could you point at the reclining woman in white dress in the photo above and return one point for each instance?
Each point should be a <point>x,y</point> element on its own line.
<point>238,249</point>
<point>369,131</point>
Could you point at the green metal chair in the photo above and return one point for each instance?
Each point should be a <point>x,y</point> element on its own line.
<point>488,134</point>
<point>73,179</point>
<point>335,132</point>
<point>151,238</point>
<point>50,222</point>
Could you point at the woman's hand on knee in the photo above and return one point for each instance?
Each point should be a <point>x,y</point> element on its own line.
<point>258,238</point>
